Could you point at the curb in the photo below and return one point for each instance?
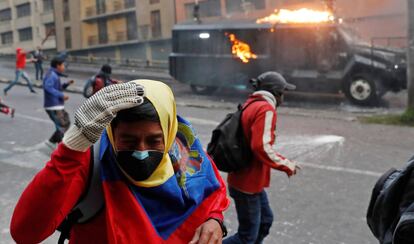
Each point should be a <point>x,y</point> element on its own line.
<point>317,114</point>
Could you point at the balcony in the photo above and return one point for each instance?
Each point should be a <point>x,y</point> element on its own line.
<point>92,40</point>
<point>120,37</point>
<point>110,10</point>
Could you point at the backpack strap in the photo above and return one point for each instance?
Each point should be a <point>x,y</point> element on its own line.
<point>91,203</point>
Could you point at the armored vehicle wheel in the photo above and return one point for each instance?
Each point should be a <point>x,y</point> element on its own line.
<point>362,89</point>
<point>203,90</point>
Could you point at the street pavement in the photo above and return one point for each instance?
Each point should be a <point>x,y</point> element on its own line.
<point>325,203</point>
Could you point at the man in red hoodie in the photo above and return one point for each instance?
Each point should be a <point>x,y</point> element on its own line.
<point>20,65</point>
<point>246,186</point>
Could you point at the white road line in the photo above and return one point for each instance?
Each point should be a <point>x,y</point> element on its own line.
<point>202,121</point>
<point>28,117</point>
<point>341,169</point>
<point>214,123</point>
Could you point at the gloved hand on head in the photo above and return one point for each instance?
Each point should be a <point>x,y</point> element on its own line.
<point>98,111</point>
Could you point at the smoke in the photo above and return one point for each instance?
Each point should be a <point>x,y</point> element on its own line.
<point>364,8</point>
<point>376,18</point>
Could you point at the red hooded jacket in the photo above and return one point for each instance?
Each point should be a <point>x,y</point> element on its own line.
<point>259,126</point>
<point>20,58</point>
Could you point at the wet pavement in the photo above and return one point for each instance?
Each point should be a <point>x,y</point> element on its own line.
<point>325,203</point>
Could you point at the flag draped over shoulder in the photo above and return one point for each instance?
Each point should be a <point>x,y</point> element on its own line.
<point>183,192</point>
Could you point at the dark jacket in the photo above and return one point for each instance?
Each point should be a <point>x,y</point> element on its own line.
<point>53,88</point>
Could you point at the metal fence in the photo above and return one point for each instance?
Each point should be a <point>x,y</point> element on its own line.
<point>127,62</point>
<point>120,62</point>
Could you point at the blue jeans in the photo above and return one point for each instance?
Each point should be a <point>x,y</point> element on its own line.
<point>19,73</point>
<point>62,122</point>
<point>254,215</point>
<point>39,70</point>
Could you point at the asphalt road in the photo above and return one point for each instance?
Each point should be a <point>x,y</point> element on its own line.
<point>325,203</point>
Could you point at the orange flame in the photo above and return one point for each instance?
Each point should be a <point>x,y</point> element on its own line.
<point>302,15</point>
<point>241,49</point>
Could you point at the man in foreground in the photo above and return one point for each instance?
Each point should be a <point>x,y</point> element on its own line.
<point>159,186</point>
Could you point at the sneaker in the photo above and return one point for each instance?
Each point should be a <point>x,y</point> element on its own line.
<point>33,91</point>
<point>12,112</point>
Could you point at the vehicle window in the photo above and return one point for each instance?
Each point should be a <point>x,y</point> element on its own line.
<point>218,42</point>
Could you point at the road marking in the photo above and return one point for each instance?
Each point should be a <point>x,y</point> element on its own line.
<point>202,121</point>
<point>341,169</point>
<point>214,123</point>
<point>28,117</point>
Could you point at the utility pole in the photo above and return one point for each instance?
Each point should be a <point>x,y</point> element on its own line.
<point>410,55</point>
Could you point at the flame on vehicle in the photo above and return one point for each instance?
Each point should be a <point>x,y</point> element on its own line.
<point>241,49</point>
<point>303,15</point>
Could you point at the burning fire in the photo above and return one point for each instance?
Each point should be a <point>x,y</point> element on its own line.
<point>241,49</point>
<point>303,15</point>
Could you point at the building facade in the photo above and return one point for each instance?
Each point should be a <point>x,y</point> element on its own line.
<point>26,24</point>
<point>139,29</point>
<point>214,10</point>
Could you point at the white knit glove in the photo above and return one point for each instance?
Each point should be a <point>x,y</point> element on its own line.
<point>98,111</point>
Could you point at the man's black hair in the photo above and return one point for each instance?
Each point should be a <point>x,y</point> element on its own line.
<point>145,111</point>
<point>106,68</point>
<point>56,62</point>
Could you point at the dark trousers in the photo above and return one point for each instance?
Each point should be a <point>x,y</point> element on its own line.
<point>39,71</point>
<point>22,73</point>
<point>62,122</point>
<point>254,215</point>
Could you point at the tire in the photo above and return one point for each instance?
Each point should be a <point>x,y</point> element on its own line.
<point>203,90</point>
<point>363,89</point>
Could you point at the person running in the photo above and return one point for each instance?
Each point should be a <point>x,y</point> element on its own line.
<point>99,81</point>
<point>6,109</point>
<point>158,183</point>
<point>54,100</point>
<point>247,186</point>
<point>20,66</point>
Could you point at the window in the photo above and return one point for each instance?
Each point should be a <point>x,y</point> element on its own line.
<point>189,41</point>
<point>154,1</point>
<point>50,29</point>
<point>100,7</point>
<point>156,24</point>
<point>23,10</point>
<point>131,20</point>
<point>26,34</point>
<point>5,14</point>
<point>129,3</point>
<point>102,31</point>
<point>47,5</point>
<point>68,38</point>
<point>66,13</point>
<point>7,38</point>
<point>208,8</point>
<point>234,6</point>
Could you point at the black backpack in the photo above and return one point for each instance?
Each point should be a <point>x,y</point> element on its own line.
<point>390,213</point>
<point>228,146</point>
